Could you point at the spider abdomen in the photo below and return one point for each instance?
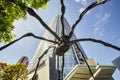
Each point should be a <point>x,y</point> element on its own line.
<point>61,49</point>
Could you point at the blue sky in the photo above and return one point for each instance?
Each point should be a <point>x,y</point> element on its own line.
<point>102,23</point>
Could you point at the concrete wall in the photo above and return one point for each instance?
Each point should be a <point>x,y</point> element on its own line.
<point>46,70</point>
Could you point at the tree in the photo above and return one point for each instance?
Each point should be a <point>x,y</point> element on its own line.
<point>62,42</point>
<point>11,10</point>
<point>13,72</point>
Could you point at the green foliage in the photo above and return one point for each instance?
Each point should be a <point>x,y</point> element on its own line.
<point>13,72</point>
<point>2,66</point>
<point>38,3</point>
<point>11,10</point>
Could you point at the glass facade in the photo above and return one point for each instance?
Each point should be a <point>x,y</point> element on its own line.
<point>70,61</point>
<point>72,56</point>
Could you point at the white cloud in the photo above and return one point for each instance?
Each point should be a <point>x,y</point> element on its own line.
<point>102,20</point>
<point>105,17</point>
<point>96,29</point>
<point>81,10</point>
<point>97,34</point>
<point>83,2</point>
<point>77,1</point>
<point>100,34</point>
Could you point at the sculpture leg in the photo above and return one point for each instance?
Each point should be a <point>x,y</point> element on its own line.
<point>39,59</point>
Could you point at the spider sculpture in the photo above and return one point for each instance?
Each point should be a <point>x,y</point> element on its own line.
<point>63,43</point>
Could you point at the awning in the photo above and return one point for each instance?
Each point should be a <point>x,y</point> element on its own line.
<point>100,72</point>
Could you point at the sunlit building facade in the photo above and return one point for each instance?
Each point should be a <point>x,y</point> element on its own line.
<point>50,65</point>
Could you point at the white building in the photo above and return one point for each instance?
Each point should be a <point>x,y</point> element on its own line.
<point>75,67</point>
<point>117,62</point>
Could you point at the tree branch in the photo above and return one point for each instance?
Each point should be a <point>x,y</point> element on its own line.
<point>32,13</point>
<point>62,16</point>
<point>26,35</point>
<point>94,4</point>
<point>97,41</point>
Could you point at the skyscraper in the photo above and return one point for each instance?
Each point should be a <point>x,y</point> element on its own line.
<point>50,65</point>
<point>23,60</point>
<point>117,62</point>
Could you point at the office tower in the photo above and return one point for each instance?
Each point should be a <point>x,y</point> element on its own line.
<point>50,65</point>
<point>23,60</point>
<point>116,62</point>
